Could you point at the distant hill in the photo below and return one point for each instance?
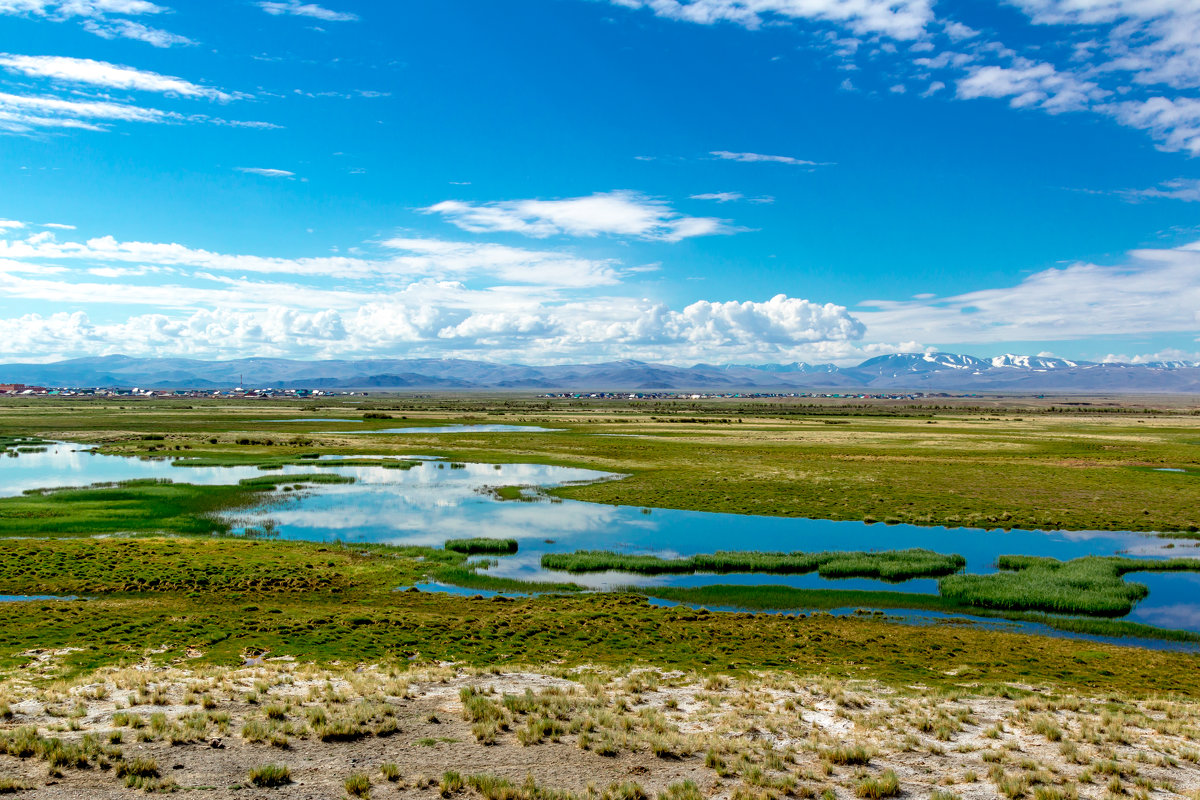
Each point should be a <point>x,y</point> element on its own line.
<point>900,371</point>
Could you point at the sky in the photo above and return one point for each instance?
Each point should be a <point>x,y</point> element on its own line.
<point>548,181</point>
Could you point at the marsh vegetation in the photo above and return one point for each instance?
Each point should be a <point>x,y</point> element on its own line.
<point>894,566</point>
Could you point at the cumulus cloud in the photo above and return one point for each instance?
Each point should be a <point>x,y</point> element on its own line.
<point>620,213</point>
<point>109,76</point>
<point>295,8</point>
<point>415,296</point>
<point>1173,121</point>
<point>1027,83</point>
<point>416,323</point>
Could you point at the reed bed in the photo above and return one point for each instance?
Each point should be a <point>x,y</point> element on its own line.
<point>482,545</point>
<point>890,565</point>
<point>1091,585</point>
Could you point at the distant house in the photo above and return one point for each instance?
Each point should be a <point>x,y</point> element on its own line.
<point>20,388</point>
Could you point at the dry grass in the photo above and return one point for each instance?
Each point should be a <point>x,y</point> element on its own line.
<point>762,736</point>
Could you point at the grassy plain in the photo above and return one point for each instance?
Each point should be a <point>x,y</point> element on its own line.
<point>1008,466</point>
<point>167,598</point>
<point>326,603</point>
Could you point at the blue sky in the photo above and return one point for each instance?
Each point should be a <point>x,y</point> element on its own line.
<point>567,180</point>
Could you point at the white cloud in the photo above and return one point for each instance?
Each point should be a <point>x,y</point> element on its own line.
<point>266,172</point>
<point>109,76</point>
<point>22,114</point>
<point>95,17</point>
<point>1155,291</point>
<point>407,259</point>
<point>509,264</point>
<point>1175,122</point>
<point>297,9</point>
<point>1157,41</point>
<point>751,158</point>
<point>128,29</point>
<point>1031,84</point>
<point>421,296</point>
<point>434,320</point>
<point>8,224</point>
<point>79,8</point>
<point>1186,189</point>
<point>620,213</point>
<point>899,19</point>
<point>720,197</point>
<point>1135,62</point>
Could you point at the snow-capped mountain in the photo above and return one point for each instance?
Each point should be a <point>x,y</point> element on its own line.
<point>1033,362</point>
<point>907,363</point>
<point>939,372</point>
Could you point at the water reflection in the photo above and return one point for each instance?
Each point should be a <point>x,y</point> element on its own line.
<point>435,500</point>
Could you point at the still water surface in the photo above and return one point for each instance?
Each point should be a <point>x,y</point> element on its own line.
<point>435,500</point>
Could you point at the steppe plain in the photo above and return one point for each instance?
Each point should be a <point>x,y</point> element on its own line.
<point>199,662</point>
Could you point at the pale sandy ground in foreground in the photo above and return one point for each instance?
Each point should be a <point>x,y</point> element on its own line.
<point>584,731</point>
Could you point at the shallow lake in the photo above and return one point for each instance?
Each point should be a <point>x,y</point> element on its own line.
<point>437,500</point>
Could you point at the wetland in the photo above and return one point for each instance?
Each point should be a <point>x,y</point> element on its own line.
<point>177,574</point>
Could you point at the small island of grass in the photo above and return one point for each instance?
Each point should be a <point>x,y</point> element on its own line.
<point>890,565</point>
<point>482,545</point>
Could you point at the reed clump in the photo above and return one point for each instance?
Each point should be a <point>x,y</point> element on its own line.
<point>888,565</point>
<point>482,545</point>
<point>1092,585</point>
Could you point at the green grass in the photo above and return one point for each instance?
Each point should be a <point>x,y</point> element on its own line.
<point>147,505</point>
<point>788,598</point>
<point>358,785</point>
<point>1020,466</point>
<point>1091,585</point>
<point>481,544</point>
<point>990,468</point>
<point>270,776</point>
<point>892,565</point>
<point>363,620</point>
<point>885,785</point>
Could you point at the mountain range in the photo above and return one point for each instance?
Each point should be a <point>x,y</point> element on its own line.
<point>901,371</point>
